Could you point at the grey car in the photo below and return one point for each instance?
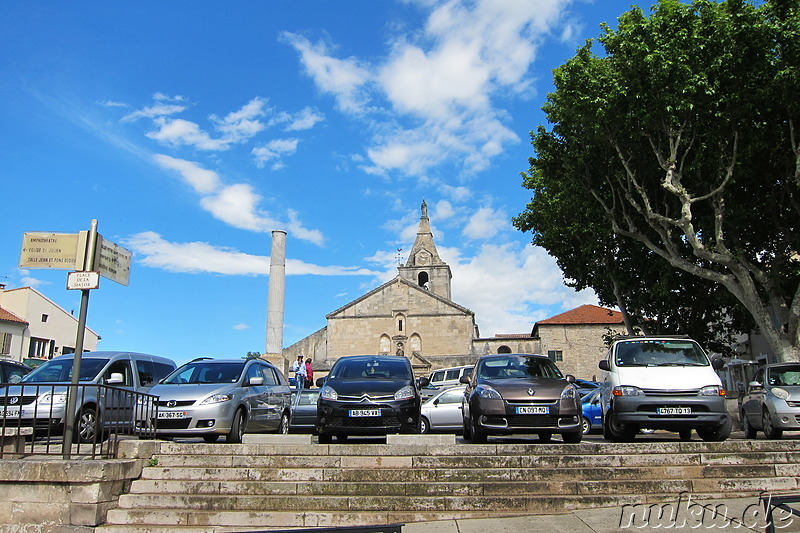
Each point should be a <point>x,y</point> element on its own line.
<point>442,411</point>
<point>772,401</point>
<point>210,398</point>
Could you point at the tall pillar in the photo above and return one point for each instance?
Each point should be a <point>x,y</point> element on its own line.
<point>275,301</point>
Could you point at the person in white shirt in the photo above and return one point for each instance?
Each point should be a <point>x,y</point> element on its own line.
<point>299,369</point>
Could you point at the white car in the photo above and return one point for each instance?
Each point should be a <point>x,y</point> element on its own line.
<point>442,411</point>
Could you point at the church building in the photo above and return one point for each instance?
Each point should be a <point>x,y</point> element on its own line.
<point>412,315</point>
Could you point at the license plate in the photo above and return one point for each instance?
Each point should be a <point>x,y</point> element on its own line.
<point>674,411</point>
<point>168,415</point>
<point>11,413</point>
<point>365,412</point>
<point>533,410</point>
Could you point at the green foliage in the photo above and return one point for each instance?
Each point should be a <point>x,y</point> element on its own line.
<point>669,180</point>
<point>252,355</point>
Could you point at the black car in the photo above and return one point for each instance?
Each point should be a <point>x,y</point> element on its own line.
<point>368,395</point>
<point>12,372</point>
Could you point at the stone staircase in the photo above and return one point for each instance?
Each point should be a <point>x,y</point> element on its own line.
<point>240,487</point>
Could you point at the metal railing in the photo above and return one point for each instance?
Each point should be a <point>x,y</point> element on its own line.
<point>35,414</point>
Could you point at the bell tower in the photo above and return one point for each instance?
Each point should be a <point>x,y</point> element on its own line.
<point>424,266</point>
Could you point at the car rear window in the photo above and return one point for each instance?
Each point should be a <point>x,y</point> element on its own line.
<point>660,353</point>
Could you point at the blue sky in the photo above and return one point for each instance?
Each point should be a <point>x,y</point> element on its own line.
<point>190,130</point>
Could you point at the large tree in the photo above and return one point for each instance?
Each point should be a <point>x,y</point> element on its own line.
<point>677,152</point>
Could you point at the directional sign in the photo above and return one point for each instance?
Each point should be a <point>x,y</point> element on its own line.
<point>51,250</point>
<point>112,261</point>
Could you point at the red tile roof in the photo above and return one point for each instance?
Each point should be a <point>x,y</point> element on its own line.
<point>8,316</point>
<point>585,314</point>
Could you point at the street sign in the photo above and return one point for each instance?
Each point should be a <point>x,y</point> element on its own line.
<point>83,280</point>
<point>51,250</point>
<point>112,261</point>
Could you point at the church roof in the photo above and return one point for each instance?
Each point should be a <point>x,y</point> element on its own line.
<point>398,279</point>
<point>585,314</point>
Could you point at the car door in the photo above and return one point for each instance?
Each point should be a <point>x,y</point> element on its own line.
<point>118,399</point>
<point>446,410</point>
<point>255,392</point>
<point>751,403</point>
<point>277,397</point>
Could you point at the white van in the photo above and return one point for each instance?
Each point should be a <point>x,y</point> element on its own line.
<point>662,383</point>
<point>449,377</point>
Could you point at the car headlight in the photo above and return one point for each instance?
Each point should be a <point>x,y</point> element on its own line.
<point>627,390</point>
<point>217,398</point>
<point>780,393</point>
<point>327,393</point>
<point>569,392</point>
<point>405,393</point>
<point>485,391</point>
<point>54,398</point>
<point>712,390</point>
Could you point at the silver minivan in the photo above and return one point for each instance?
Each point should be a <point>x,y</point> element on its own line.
<point>449,377</point>
<point>210,398</point>
<point>40,398</point>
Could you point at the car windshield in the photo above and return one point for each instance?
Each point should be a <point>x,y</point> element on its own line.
<point>660,353</point>
<point>370,368</point>
<point>518,367</point>
<point>206,372</point>
<point>786,376</point>
<point>61,370</point>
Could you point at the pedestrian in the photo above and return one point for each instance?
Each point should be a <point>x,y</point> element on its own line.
<point>309,374</point>
<point>299,369</point>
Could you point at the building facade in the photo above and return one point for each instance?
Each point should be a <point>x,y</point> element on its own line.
<point>34,328</point>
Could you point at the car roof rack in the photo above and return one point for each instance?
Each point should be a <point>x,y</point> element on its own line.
<point>200,359</point>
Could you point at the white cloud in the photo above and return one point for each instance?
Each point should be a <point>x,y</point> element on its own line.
<point>240,327</point>
<point>241,125</point>
<point>305,120</point>
<point>343,78</point>
<point>178,132</point>
<point>154,111</point>
<point>203,181</point>
<point>152,250</point>
<point>485,223</point>
<point>274,150</point>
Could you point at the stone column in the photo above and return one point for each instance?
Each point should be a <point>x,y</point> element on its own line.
<point>275,301</point>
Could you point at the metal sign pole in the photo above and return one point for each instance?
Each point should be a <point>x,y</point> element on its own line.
<point>69,418</point>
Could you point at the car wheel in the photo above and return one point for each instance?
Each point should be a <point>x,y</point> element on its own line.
<point>212,437</point>
<point>586,426</point>
<point>616,432</point>
<point>749,431</point>
<point>716,433</point>
<point>770,431</point>
<point>283,428</point>
<point>324,438</point>
<point>572,438</point>
<point>685,434</point>
<point>465,430</point>
<point>424,425</point>
<point>478,436</point>
<point>238,427</point>
<point>87,426</point>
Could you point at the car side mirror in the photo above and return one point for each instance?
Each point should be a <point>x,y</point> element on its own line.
<point>603,365</point>
<point>464,380</point>
<point>320,382</point>
<point>424,382</point>
<point>755,385</point>
<point>115,379</point>
<point>570,378</point>
<point>256,381</point>
<point>717,363</point>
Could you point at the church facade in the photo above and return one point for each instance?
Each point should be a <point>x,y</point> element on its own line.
<point>412,315</point>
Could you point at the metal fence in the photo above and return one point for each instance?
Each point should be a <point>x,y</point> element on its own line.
<point>33,419</point>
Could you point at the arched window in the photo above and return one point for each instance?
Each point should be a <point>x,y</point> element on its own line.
<point>423,280</point>
<point>503,349</point>
<point>415,343</point>
<point>385,344</point>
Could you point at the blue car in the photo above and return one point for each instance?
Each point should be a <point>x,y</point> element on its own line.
<point>592,412</point>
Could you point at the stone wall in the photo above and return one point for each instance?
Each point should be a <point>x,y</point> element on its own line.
<point>52,495</point>
<point>582,347</point>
